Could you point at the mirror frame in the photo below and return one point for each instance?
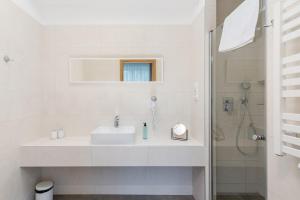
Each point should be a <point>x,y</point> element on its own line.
<point>117,58</point>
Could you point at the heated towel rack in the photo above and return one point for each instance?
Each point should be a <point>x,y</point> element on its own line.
<point>286,78</point>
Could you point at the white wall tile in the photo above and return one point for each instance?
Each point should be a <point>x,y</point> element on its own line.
<point>81,108</point>
<point>20,98</point>
<point>74,102</point>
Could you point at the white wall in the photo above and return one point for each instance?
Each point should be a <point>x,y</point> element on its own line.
<point>283,173</point>
<point>198,78</point>
<point>121,180</point>
<point>38,99</point>
<point>20,98</point>
<point>79,108</point>
<point>202,25</point>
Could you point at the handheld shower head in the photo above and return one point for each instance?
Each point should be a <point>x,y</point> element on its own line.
<point>153,109</point>
<point>246,85</point>
<point>153,98</point>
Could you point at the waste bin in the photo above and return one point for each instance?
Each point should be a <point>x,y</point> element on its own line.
<point>44,190</point>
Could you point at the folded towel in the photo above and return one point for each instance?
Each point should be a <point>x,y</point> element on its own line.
<point>240,26</point>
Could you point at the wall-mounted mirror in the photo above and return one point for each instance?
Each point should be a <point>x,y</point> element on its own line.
<point>89,70</point>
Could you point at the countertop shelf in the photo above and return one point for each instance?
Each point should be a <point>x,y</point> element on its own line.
<point>79,152</point>
<point>85,141</point>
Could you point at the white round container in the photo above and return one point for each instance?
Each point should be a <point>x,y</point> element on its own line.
<point>54,135</point>
<point>44,190</point>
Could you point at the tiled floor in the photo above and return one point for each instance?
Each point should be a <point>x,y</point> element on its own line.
<point>121,197</point>
<point>240,197</point>
<point>160,197</point>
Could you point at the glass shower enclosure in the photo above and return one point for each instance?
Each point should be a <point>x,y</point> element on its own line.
<point>238,146</point>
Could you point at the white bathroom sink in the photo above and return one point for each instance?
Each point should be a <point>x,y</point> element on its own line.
<point>111,135</point>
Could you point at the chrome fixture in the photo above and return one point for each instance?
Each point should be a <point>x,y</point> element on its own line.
<point>153,106</point>
<point>7,59</point>
<point>258,137</point>
<point>245,87</point>
<point>116,121</point>
<point>245,112</point>
<point>228,104</point>
<point>270,24</point>
<point>153,98</point>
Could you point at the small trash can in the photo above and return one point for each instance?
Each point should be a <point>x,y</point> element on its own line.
<point>44,190</point>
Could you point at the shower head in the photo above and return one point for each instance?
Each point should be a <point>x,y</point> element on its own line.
<point>246,85</point>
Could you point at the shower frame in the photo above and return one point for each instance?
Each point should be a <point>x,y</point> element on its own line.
<point>210,67</point>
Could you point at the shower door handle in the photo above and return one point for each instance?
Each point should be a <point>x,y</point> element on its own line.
<point>258,137</point>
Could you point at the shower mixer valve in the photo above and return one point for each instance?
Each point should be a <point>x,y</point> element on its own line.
<point>228,104</point>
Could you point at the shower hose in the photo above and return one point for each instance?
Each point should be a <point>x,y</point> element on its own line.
<point>244,111</point>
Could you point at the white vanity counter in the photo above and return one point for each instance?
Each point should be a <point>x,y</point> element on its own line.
<point>86,141</point>
<point>79,152</point>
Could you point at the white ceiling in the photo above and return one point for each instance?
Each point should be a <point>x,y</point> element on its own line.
<point>86,12</point>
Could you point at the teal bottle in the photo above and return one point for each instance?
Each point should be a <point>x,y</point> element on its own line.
<point>145,131</point>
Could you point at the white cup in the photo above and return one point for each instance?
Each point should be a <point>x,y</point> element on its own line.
<point>54,135</point>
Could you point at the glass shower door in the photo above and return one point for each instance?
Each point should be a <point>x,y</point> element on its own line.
<point>238,120</point>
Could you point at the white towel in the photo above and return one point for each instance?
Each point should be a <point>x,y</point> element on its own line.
<point>240,26</point>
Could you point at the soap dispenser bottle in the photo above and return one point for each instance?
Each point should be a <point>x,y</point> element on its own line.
<point>145,131</point>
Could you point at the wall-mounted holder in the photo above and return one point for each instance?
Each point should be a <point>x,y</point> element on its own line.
<point>270,24</point>
<point>7,59</point>
<point>179,132</point>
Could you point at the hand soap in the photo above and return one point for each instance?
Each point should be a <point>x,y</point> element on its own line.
<point>60,133</point>
<point>145,131</point>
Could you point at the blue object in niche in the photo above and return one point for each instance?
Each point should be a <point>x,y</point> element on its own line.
<point>137,72</point>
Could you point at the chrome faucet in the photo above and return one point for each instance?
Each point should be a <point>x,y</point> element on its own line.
<point>116,121</point>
